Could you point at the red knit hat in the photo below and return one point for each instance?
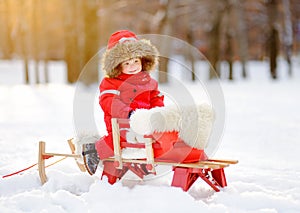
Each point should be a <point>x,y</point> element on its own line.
<point>120,37</point>
<point>124,45</point>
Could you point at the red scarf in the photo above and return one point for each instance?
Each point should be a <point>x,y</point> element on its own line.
<point>139,78</point>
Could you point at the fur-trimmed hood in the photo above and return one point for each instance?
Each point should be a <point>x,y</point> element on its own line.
<point>124,45</point>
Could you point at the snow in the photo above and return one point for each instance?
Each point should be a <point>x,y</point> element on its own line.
<point>262,132</point>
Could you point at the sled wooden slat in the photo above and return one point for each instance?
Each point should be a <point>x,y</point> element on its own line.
<point>200,164</point>
<point>150,154</point>
<point>116,142</point>
<point>72,147</point>
<point>61,154</point>
<point>224,161</point>
<point>41,162</point>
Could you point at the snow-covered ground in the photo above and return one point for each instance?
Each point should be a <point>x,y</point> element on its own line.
<point>262,132</point>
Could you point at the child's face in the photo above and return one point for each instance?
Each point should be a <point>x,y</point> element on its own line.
<point>132,66</point>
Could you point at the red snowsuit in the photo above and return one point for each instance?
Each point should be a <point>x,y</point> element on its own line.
<point>121,95</point>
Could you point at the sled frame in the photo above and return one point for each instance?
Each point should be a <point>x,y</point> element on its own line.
<point>43,155</point>
<point>185,174</point>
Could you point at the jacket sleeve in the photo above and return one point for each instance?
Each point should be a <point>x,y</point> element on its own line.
<point>110,101</point>
<point>157,98</point>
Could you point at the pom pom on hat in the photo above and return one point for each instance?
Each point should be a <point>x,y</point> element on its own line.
<point>124,45</point>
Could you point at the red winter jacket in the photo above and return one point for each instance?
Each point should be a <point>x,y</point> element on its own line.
<point>119,96</point>
<point>125,93</point>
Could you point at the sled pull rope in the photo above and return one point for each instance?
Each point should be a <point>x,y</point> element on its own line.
<point>29,167</point>
<point>33,165</point>
<point>41,161</point>
<point>17,172</point>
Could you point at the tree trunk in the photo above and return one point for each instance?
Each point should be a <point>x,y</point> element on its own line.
<point>229,33</point>
<point>35,38</point>
<point>46,70</point>
<point>288,34</point>
<point>242,36</point>
<point>7,46</point>
<point>72,53</point>
<point>91,44</point>
<point>273,52</point>
<point>190,54</point>
<point>215,37</point>
<point>163,67</point>
<point>26,68</point>
<point>23,39</point>
<point>273,37</point>
<point>36,71</point>
<point>229,54</point>
<point>44,44</point>
<point>214,47</point>
<point>162,26</point>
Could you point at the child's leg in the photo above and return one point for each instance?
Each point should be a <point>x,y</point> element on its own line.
<point>104,147</point>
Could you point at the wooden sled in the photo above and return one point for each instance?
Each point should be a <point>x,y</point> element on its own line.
<point>185,174</point>
<point>114,168</point>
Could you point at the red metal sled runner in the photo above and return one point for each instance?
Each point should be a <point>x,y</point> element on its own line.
<point>188,163</point>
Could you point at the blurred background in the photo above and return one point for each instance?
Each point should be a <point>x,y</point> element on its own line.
<point>38,32</point>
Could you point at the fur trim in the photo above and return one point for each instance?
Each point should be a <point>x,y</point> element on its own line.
<point>193,123</point>
<point>127,50</point>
